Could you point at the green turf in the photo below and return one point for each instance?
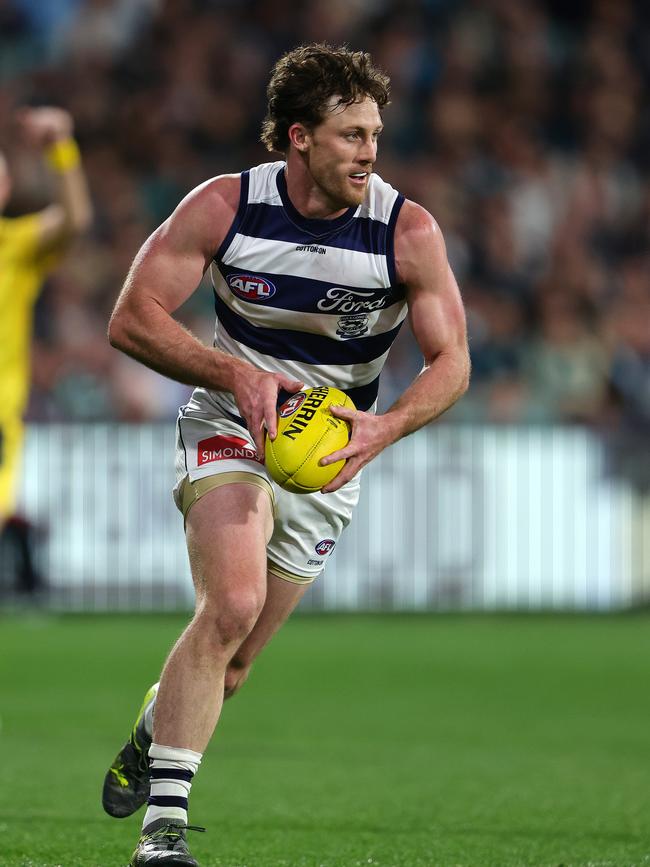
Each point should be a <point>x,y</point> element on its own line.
<point>482,741</point>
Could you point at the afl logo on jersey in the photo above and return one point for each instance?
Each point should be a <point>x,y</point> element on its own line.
<point>251,288</point>
<point>290,406</point>
<point>325,546</point>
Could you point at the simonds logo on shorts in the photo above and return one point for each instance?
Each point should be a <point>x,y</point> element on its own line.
<point>223,448</point>
<point>325,546</point>
<point>250,287</point>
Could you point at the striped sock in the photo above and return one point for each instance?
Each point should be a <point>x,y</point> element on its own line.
<point>172,770</point>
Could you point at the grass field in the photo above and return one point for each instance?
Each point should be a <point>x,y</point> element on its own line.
<point>481,741</point>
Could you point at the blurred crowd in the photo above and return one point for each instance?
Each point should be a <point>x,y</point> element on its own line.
<point>522,125</point>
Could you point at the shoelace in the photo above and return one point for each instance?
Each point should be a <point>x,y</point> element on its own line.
<point>143,765</point>
<point>142,754</point>
<point>173,833</point>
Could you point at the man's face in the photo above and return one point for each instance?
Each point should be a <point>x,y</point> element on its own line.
<point>341,151</point>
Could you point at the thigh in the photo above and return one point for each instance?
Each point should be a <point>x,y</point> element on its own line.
<point>227,530</point>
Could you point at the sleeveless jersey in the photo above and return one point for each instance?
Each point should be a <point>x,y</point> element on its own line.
<point>314,299</point>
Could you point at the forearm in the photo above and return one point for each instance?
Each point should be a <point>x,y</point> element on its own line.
<point>436,389</point>
<point>155,339</point>
<point>439,385</point>
<point>64,160</point>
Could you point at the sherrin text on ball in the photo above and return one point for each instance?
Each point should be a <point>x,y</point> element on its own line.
<point>307,432</point>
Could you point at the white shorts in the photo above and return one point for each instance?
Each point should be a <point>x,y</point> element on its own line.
<point>212,450</point>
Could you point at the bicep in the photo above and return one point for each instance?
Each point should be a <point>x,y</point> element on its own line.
<point>170,264</point>
<point>166,270</point>
<point>436,312</point>
<point>437,317</point>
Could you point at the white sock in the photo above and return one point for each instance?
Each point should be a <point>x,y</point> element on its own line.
<point>172,769</point>
<point>148,713</point>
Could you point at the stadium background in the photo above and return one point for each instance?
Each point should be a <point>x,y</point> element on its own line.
<point>523,127</point>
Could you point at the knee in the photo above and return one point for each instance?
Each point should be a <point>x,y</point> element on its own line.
<point>231,617</point>
<point>236,675</point>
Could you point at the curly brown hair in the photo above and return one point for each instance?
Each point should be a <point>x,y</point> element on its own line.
<point>304,80</point>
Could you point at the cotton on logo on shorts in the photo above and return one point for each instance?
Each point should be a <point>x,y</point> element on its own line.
<point>325,546</point>
<point>223,448</point>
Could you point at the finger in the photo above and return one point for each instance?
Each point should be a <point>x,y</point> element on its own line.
<point>342,478</point>
<point>256,431</point>
<point>291,385</point>
<point>348,451</point>
<point>343,411</point>
<point>271,417</point>
<point>259,441</point>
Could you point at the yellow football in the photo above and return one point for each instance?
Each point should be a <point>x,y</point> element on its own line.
<point>307,432</point>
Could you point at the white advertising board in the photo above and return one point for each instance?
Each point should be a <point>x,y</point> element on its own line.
<point>449,518</point>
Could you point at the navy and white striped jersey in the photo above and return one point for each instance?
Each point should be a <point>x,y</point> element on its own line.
<point>317,300</point>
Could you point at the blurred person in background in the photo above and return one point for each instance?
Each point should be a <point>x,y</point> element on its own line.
<point>30,247</point>
<point>521,126</point>
<point>316,262</point>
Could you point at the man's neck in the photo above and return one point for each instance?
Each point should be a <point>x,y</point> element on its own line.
<point>306,196</point>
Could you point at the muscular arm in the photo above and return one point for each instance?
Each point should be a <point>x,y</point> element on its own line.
<point>68,217</point>
<point>47,128</point>
<point>438,322</point>
<point>165,272</point>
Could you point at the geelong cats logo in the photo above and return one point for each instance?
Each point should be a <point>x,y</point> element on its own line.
<point>352,326</point>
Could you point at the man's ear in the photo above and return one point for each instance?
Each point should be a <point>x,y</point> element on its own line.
<point>299,137</point>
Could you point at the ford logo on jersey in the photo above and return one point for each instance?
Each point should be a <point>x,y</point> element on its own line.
<point>250,287</point>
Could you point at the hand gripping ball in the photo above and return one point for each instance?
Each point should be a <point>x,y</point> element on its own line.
<point>307,432</point>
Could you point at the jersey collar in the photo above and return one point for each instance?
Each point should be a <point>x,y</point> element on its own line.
<point>315,228</point>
